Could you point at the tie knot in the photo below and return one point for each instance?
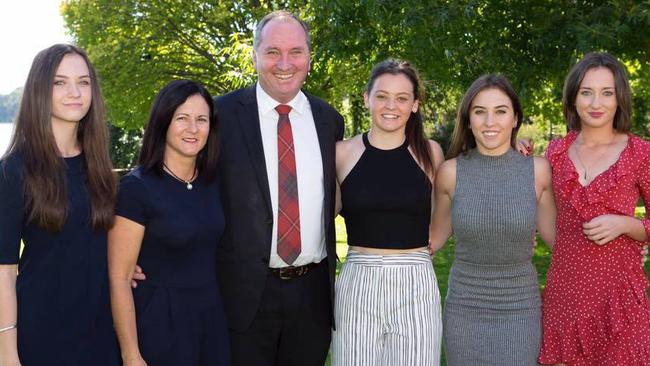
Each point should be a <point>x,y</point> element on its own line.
<point>283,109</point>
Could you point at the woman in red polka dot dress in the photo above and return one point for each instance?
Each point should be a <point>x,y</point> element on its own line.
<point>596,309</point>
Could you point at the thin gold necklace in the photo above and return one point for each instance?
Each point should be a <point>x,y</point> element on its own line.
<point>188,183</point>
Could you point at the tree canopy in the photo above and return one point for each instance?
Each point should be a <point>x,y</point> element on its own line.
<point>138,46</point>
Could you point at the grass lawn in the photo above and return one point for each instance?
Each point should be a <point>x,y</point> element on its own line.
<point>444,258</point>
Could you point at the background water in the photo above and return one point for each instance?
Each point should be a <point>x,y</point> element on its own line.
<point>5,135</point>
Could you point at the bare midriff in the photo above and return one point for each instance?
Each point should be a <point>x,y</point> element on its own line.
<point>382,251</point>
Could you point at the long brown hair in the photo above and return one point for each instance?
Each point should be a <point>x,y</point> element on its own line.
<point>623,116</point>
<point>462,139</point>
<point>44,175</point>
<point>414,129</point>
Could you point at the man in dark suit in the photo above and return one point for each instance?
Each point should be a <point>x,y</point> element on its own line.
<point>277,258</point>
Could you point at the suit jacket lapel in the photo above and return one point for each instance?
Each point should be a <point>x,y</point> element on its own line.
<point>326,152</point>
<point>250,125</point>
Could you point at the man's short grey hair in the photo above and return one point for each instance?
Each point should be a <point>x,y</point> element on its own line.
<point>281,15</point>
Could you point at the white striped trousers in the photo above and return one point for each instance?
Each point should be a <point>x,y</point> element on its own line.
<point>387,311</point>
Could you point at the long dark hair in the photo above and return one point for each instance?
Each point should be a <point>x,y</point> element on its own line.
<point>622,117</point>
<point>45,184</point>
<point>462,139</point>
<point>414,129</point>
<point>152,153</point>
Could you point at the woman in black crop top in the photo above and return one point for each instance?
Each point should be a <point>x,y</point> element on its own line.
<point>387,302</point>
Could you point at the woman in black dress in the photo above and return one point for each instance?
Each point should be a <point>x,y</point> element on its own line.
<point>56,195</point>
<point>169,219</point>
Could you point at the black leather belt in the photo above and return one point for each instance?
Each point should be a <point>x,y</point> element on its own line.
<point>287,273</point>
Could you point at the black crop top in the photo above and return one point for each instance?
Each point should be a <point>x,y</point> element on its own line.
<point>386,200</point>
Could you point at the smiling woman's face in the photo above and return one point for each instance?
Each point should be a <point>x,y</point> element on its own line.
<point>391,102</point>
<point>492,119</point>
<point>188,131</point>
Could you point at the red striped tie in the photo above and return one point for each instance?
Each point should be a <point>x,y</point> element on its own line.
<point>288,207</point>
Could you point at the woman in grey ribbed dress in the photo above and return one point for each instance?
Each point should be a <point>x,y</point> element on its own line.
<point>493,199</point>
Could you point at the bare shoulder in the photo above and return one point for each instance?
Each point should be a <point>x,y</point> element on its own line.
<point>542,165</point>
<point>446,178</point>
<point>436,153</point>
<point>446,175</point>
<point>542,170</point>
<point>435,146</point>
<point>346,147</point>
<point>448,167</point>
<point>348,153</point>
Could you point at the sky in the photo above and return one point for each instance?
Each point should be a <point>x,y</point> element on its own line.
<point>26,27</point>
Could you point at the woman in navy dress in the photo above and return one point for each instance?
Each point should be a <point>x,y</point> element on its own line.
<point>169,219</point>
<point>57,194</point>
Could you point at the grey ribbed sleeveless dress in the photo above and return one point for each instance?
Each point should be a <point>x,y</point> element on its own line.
<point>492,313</point>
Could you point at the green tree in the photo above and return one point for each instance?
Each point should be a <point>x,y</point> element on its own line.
<point>138,46</point>
<point>452,43</point>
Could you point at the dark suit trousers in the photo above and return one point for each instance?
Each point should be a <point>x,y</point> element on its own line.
<point>292,325</point>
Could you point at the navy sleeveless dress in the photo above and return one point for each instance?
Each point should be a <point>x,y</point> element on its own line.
<point>64,315</point>
<point>179,312</point>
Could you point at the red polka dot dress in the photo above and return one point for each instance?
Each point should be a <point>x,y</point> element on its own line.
<point>595,308</point>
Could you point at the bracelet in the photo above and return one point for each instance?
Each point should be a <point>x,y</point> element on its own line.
<point>12,326</point>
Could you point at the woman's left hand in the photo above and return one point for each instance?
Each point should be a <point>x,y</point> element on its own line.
<point>604,228</point>
<point>524,146</point>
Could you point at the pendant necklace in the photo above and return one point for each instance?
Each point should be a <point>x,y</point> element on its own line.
<point>584,167</point>
<point>188,183</point>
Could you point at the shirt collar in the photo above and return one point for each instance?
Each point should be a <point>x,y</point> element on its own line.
<point>265,103</point>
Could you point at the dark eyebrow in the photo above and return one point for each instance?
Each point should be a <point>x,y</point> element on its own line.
<point>66,77</point>
<point>590,88</point>
<point>187,114</point>
<point>499,106</point>
<point>386,92</point>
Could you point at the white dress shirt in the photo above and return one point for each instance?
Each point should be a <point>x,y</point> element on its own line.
<point>309,170</point>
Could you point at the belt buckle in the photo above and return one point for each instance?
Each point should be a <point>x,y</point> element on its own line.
<point>282,275</point>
